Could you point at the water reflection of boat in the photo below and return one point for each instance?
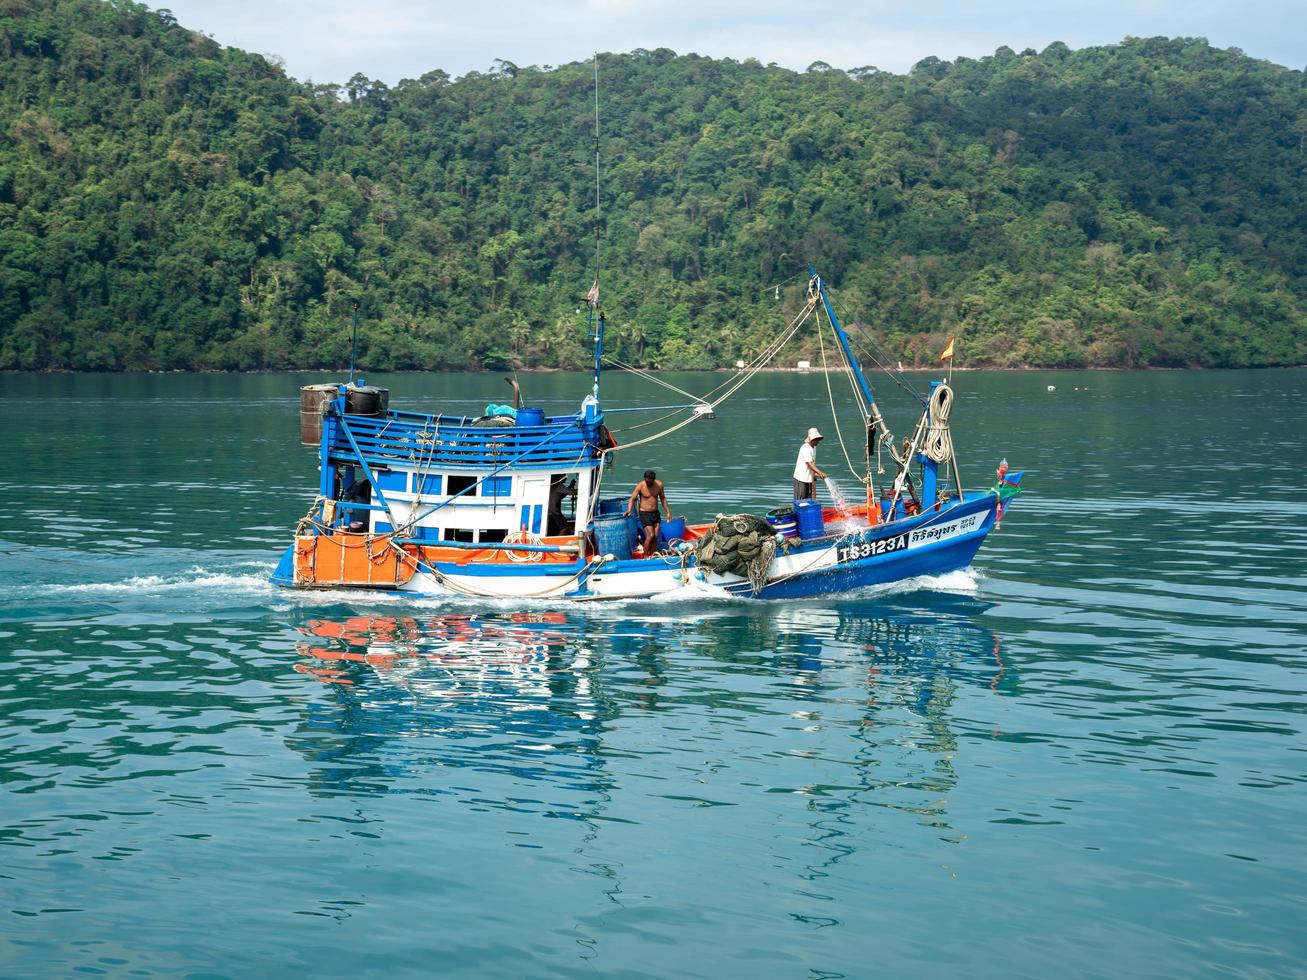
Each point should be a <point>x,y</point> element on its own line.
<point>494,693</point>
<point>469,654</point>
<point>829,726</point>
<point>530,686</point>
<point>913,662</point>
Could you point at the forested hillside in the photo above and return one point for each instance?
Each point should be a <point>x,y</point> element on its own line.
<point>167,202</point>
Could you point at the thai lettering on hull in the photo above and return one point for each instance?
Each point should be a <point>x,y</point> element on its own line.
<point>909,539</point>
<point>949,529</point>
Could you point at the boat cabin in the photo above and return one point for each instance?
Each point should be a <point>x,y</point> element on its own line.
<point>452,481</point>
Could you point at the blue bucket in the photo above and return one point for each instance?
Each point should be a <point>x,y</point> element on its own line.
<point>783,519</point>
<point>530,416</point>
<point>808,514</point>
<point>612,535</point>
<point>672,528</point>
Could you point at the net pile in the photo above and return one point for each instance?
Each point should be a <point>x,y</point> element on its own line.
<point>739,544</point>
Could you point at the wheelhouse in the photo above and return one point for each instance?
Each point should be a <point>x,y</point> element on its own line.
<point>449,481</point>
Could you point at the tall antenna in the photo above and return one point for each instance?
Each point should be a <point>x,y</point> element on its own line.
<point>353,342</point>
<point>596,326</point>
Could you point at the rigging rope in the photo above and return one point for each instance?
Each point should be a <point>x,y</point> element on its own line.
<point>648,377</point>
<point>587,570</point>
<point>881,359</point>
<point>728,388</point>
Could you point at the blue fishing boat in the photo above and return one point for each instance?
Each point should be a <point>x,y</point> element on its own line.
<point>439,505</point>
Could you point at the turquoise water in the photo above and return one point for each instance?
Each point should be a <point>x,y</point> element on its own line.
<point>1082,757</point>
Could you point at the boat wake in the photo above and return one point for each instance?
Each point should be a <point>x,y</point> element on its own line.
<point>965,582</point>
<point>254,584</point>
<point>195,579</point>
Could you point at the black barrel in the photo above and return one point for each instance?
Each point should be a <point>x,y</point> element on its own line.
<point>370,402</point>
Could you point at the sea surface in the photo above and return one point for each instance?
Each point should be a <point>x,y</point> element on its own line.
<point>1082,757</point>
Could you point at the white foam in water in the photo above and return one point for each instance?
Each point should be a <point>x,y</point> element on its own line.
<point>965,581</point>
<point>130,585</point>
<point>190,580</point>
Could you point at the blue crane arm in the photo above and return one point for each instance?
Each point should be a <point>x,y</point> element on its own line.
<point>820,285</point>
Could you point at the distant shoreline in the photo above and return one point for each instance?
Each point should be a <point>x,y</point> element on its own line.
<point>614,370</point>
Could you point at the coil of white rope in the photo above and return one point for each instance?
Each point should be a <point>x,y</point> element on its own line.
<point>938,444</point>
<point>523,537</point>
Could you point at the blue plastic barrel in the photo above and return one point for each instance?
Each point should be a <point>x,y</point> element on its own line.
<point>783,519</point>
<point>530,416</point>
<point>612,535</point>
<point>673,527</point>
<point>612,505</point>
<point>808,514</point>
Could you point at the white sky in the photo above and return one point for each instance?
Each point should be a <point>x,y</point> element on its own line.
<point>330,40</point>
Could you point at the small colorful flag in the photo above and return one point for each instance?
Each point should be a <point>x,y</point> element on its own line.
<point>592,297</point>
<point>948,351</point>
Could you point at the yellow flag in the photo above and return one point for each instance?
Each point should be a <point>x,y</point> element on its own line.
<point>948,351</point>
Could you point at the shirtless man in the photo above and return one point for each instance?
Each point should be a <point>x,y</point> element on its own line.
<point>649,492</point>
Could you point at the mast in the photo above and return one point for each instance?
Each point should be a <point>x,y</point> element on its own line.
<point>599,349</point>
<point>596,329</point>
<point>353,342</point>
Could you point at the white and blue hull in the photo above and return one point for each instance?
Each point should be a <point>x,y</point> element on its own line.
<point>928,544</point>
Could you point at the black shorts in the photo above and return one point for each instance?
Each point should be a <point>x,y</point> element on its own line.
<point>650,518</point>
<point>804,491</point>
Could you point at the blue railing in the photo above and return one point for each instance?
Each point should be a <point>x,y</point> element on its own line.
<point>428,441</point>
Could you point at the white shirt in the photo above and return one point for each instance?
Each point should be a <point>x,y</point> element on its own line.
<point>807,454</point>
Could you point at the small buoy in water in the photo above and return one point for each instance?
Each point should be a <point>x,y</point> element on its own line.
<point>1052,388</point>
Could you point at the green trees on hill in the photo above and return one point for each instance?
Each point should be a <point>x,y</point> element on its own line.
<point>166,202</point>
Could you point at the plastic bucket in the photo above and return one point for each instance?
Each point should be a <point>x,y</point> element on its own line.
<point>673,527</point>
<point>612,505</point>
<point>783,519</point>
<point>808,513</point>
<point>612,535</point>
<point>530,416</point>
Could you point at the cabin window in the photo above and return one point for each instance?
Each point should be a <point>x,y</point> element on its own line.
<point>492,535</point>
<point>464,534</point>
<point>391,479</point>
<point>497,486</point>
<point>429,485</point>
<point>457,484</point>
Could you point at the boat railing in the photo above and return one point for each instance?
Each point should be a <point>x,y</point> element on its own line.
<point>429,442</point>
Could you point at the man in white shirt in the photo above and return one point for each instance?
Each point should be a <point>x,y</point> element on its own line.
<point>805,468</point>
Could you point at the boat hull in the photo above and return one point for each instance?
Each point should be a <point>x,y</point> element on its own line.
<point>933,543</point>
